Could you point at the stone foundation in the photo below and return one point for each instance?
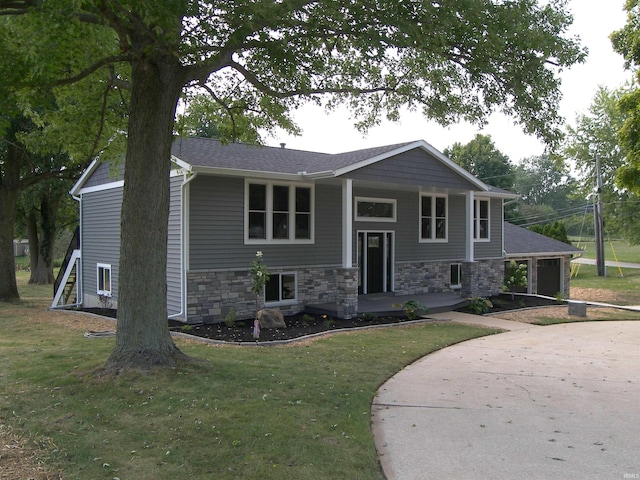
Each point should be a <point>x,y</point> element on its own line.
<point>347,292</point>
<point>213,294</point>
<point>481,278</point>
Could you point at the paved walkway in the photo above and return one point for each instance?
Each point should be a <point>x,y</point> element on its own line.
<point>555,402</point>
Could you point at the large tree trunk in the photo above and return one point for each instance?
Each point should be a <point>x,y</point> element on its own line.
<point>42,236</point>
<point>9,191</point>
<point>143,340</point>
<point>8,284</point>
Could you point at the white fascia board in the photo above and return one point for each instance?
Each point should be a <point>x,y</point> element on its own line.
<point>234,172</point>
<point>424,146</point>
<point>99,188</point>
<point>181,163</point>
<point>75,190</point>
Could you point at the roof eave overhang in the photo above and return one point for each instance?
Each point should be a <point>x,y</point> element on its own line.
<point>75,190</point>
<point>236,172</point>
<point>541,254</point>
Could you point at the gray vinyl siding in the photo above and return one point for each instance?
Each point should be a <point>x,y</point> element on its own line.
<point>106,172</point>
<point>101,241</point>
<point>100,237</point>
<point>493,248</point>
<point>216,229</point>
<point>174,250</point>
<point>407,225</point>
<point>415,167</point>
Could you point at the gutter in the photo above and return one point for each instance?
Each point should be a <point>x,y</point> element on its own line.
<point>183,245</point>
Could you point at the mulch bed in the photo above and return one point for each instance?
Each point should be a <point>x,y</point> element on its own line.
<point>302,324</point>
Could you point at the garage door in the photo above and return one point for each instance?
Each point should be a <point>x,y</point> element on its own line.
<point>549,277</point>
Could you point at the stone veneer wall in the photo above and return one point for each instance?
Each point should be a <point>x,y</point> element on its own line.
<point>212,294</point>
<point>480,278</point>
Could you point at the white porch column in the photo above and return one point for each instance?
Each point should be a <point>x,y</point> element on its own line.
<point>470,200</point>
<point>347,223</point>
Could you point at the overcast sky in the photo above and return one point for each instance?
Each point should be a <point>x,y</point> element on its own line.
<point>594,20</point>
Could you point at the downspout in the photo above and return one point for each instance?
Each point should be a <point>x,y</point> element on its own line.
<point>183,245</point>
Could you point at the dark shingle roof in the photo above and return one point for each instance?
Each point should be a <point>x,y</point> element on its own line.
<point>205,152</point>
<point>522,241</point>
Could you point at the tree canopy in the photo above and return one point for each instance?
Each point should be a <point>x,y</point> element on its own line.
<point>481,157</point>
<point>455,61</point>
<point>595,134</point>
<point>626,42</point>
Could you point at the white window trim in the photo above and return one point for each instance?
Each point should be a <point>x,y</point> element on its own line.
<point>290,301</point>
<point>476,220</point>
<point>103,266</point>
<point>433,217</point>
<point>457,286</point>
<point>269,213</point>
<point>392,201</point>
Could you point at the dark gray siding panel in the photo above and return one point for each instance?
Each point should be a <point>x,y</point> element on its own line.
<point>415,167</point>
<point>100,237</point>
<point>216,229</point>
<point>406,228</point>
<point>101,241</point>
<point>492,249</point>
<point>174,248</point>
<point>105,173</point>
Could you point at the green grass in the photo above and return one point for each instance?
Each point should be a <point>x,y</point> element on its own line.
<point>623,251</point>
<point>295,412</point>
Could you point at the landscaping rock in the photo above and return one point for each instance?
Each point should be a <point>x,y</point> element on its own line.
<point>271,318</point>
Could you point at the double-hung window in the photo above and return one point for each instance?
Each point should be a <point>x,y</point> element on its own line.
<point>104,279</point>
<point>481,219</point>
<point>433,218</point>
<point>278,213</point>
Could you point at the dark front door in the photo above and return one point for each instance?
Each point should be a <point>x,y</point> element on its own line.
<point>375,260</point>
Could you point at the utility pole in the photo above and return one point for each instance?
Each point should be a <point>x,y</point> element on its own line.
<point>598,223</point>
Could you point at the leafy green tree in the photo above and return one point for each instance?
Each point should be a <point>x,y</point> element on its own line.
<point>461,60</point>
<point>595,134</point>
<point>481,157</point>
<point>544,180</point>
<point>39,127</point>
<point>40,220</point>
<point>626,42</point>
<point>554,230</point>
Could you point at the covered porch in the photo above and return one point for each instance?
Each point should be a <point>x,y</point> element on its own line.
<point>383,303</point>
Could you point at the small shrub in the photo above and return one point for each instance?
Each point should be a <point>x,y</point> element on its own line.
<point>186,328</point>
<point>369,317</point>
<point>230,318</point>
<point>479,305</point>
<point>497,302</point>
<point>328,321</point>
<point>306,320</point>
<point>411,308</point>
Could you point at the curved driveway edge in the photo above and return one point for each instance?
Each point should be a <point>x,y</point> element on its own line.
<point>560,401</point>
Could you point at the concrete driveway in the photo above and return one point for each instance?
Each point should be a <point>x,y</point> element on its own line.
<point>556,402</point>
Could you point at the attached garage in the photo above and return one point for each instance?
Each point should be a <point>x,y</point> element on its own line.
<point>548,260</point>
